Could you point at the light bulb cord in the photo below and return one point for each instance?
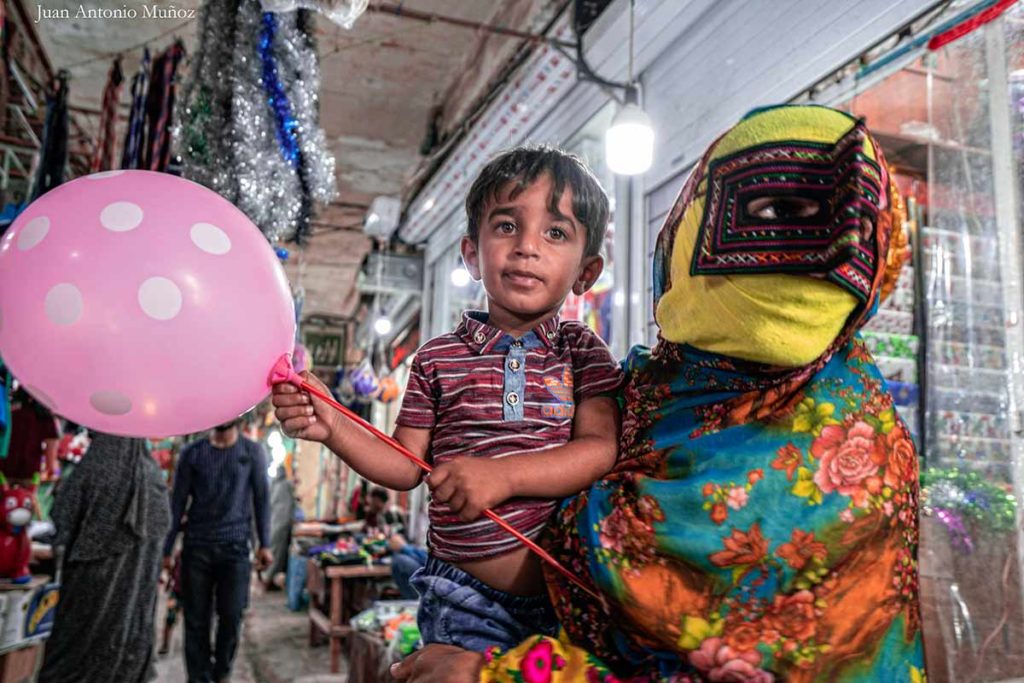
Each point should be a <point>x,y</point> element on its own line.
<point>632,5</point>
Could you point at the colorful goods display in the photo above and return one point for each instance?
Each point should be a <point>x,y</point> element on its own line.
<point>963,500</point>
<point>394,621</point>
<point>358,549</point>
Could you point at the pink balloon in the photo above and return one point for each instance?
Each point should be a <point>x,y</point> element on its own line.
<point>141,304</point>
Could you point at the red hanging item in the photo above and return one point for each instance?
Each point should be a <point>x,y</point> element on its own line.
<point>103,156</point>
<point>159,108</point>
<point>977,21</point>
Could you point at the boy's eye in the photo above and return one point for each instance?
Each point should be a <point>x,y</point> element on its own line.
<point>506,228</point>
<point>558,234</point>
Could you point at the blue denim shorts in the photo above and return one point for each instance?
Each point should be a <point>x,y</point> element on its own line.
<point>457,609</point>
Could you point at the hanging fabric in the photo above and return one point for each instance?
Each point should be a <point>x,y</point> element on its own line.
<point>103,157</point>
<point>159,108</point>
<point>4,68</point>
<point>53,154</point>
<point>136,119</point>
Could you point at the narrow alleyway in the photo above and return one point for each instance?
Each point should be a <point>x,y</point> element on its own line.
<point>274,647</point>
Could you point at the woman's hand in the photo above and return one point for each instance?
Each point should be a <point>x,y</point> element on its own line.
<point>440,664</point>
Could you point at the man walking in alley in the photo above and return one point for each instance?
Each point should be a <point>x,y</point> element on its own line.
<point>223,479</point>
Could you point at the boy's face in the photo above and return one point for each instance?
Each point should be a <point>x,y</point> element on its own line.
<point>528,257</point>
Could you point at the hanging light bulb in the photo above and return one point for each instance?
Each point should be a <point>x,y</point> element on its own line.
<point>460,277</point>
<point>629,141</point>
<point>382,325</point>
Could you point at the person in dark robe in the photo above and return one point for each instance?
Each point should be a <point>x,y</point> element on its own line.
<point>112,515</point>
<point>282,513</point>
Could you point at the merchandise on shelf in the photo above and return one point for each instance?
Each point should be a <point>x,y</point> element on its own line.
<point>394,621</point>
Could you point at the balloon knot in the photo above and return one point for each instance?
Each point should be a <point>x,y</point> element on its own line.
<point>283,372</point>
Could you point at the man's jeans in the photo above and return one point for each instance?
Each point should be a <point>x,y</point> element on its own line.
<point>213,574</point>
<point>404,564</point>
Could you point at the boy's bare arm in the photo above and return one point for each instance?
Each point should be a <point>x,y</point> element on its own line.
<point>306,417</point>
<point>377,461</point>
<point>470,485</point>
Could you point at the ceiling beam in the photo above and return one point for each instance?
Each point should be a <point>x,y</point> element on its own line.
<point>432,17</point>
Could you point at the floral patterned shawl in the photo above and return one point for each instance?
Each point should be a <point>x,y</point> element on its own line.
<point>761,523</point>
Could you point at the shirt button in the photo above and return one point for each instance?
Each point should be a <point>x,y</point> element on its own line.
<point>513,364</point>
<point>479,337</point>
<point>551,335</point>
<point>512,398</point>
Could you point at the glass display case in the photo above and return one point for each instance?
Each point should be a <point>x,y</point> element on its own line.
<point>949,339</point>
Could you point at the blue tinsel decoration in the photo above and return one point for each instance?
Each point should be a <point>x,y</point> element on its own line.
<point>287,125</point>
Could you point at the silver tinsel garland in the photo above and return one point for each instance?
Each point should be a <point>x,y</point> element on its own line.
<point>296,52</point>
<point>269,189</point>
<point>203,121</point>
<point>228,130</point>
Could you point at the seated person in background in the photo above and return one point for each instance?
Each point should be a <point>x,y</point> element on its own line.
<point>378,515</point>
<point>406,558</point>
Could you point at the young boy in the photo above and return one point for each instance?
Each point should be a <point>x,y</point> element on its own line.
<point>511,408</point>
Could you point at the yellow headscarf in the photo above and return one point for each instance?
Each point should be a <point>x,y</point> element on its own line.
<point>776,319</point>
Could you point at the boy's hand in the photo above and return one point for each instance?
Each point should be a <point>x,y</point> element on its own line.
<point>469,486</point>
<point>302,415</point>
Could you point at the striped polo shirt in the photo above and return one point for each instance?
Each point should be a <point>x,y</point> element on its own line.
<point>486,394</point>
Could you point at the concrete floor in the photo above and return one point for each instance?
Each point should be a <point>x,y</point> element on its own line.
<point>274,647</point>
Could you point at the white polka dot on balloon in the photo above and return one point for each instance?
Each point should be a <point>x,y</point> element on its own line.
<point>121,216</point>
<point>111,402</point>
<point>160,298</point>
<point>104,174</point>
<point>64,304</point>
<point>33,232</point>
<point>210,239</point>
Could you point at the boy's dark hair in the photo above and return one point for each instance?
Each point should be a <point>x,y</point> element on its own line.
<point>380,493</point>
<point>522,166</point>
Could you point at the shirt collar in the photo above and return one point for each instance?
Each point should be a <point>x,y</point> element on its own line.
<point>483,338</point>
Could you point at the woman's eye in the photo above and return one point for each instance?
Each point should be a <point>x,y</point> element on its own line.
<point>780,208</point>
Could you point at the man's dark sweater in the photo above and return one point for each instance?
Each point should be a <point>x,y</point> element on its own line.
<point>225,486</point>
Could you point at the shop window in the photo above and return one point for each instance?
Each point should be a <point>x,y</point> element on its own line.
<point>949,340</point>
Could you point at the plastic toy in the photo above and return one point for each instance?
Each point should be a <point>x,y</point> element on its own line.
<point>388,389</point>
<point>15,546</point>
